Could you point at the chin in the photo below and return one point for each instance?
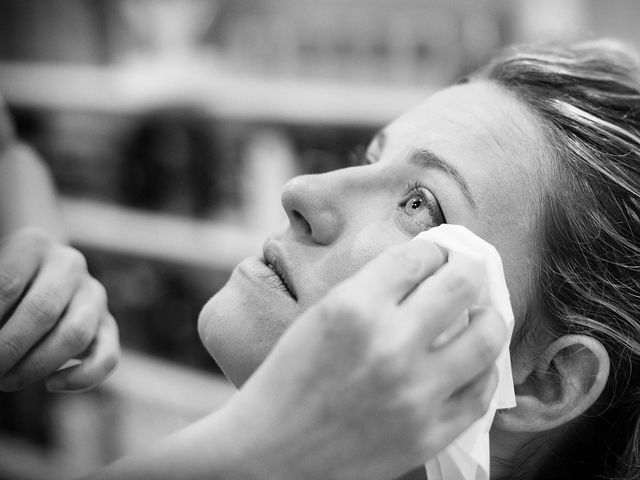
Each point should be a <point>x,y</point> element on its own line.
<point>239,327</point>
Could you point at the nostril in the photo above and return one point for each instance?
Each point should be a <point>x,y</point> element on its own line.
<point>302,222</point>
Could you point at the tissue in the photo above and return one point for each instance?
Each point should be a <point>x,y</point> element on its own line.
<point>468,457</point>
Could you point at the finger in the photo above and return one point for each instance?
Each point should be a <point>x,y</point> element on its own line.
<point>70,337</point>
<point>396,271</point>
<point>96,366</point>
<point>442,298</point>
<point>472,401</point>
<point>20,258</point>
<point>40,308</point>
<point>461,410</point>
<point>475,349</point>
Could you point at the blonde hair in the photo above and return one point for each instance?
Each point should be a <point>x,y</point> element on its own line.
<point>587,96</point>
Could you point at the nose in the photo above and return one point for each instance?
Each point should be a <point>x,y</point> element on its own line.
<point>311,203</point>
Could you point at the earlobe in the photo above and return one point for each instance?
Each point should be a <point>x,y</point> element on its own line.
<point>557,386</point>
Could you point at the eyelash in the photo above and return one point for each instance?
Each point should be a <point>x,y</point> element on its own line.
<point>418,189</point>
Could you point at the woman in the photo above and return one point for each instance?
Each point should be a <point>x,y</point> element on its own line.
<point>52,311</point>
<point>539,154</point>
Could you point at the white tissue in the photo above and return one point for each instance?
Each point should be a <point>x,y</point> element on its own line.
<point>468,458</point>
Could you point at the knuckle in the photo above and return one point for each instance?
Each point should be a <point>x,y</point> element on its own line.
<point>393,369</point>
<point>100,293</point>
<point>479,406</point>
<point>487,348</point>
<point>497,325</point>
<point>11,349</point>
<point>484,399</point>
<point>43,306</point>
<point>74,260</point>
<point>11,286</point>
<point>36,367</point>
<point>78,335</point>
<point>110,362</point>
<point>203,323</point>
<point>116,331</point>
<point>490,387</point>
<point>350,305</point>
<point>100,290</point>
<point>344,321</point>
<point>459,284</point>
<point>389,372</point>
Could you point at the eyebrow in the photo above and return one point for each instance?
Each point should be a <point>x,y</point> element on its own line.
<point>427,159</point>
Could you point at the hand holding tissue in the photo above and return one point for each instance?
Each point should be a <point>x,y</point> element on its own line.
<point>468,457</point>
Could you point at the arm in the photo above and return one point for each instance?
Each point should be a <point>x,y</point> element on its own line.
<point>27,193</point>
<point>351,390</point>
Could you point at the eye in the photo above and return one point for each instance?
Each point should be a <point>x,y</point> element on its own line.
<point>420,210</point>
<point>414,205</point>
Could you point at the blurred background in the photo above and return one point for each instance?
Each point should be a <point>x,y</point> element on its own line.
<point>170,127</point>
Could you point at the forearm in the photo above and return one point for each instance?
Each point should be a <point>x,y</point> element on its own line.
<point>27,192</point>
<point>208,449</point>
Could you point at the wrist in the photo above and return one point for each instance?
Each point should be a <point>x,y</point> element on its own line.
<point>265,443</point>
<point>246,448</point>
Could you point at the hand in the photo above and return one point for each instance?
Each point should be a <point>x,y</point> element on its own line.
<point>51,311</point>
<point>355,388</point>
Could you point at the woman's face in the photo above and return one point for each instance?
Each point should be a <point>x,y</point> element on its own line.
<point>468,155</point>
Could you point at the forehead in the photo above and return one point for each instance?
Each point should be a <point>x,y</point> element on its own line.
<point>483,131</point>
<point>497,145</point>
<point>470,120</point>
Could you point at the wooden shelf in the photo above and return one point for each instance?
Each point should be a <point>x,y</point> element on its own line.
<point>159,236</point>
<point>136,87</point>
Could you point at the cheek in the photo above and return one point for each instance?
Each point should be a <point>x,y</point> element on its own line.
<point>513,237</point>
<point>350,255</point>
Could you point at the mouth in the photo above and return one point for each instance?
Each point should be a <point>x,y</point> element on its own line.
<point>273,260</point>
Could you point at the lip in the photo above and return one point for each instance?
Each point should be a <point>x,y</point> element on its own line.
<point>273,258</point>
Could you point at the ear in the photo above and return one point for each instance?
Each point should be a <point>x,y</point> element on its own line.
<point>558,386</point>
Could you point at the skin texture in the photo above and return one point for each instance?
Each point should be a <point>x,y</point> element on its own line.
<point>341,219</point>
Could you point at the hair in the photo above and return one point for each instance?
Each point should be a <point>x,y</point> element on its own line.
<point>587,96</point>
